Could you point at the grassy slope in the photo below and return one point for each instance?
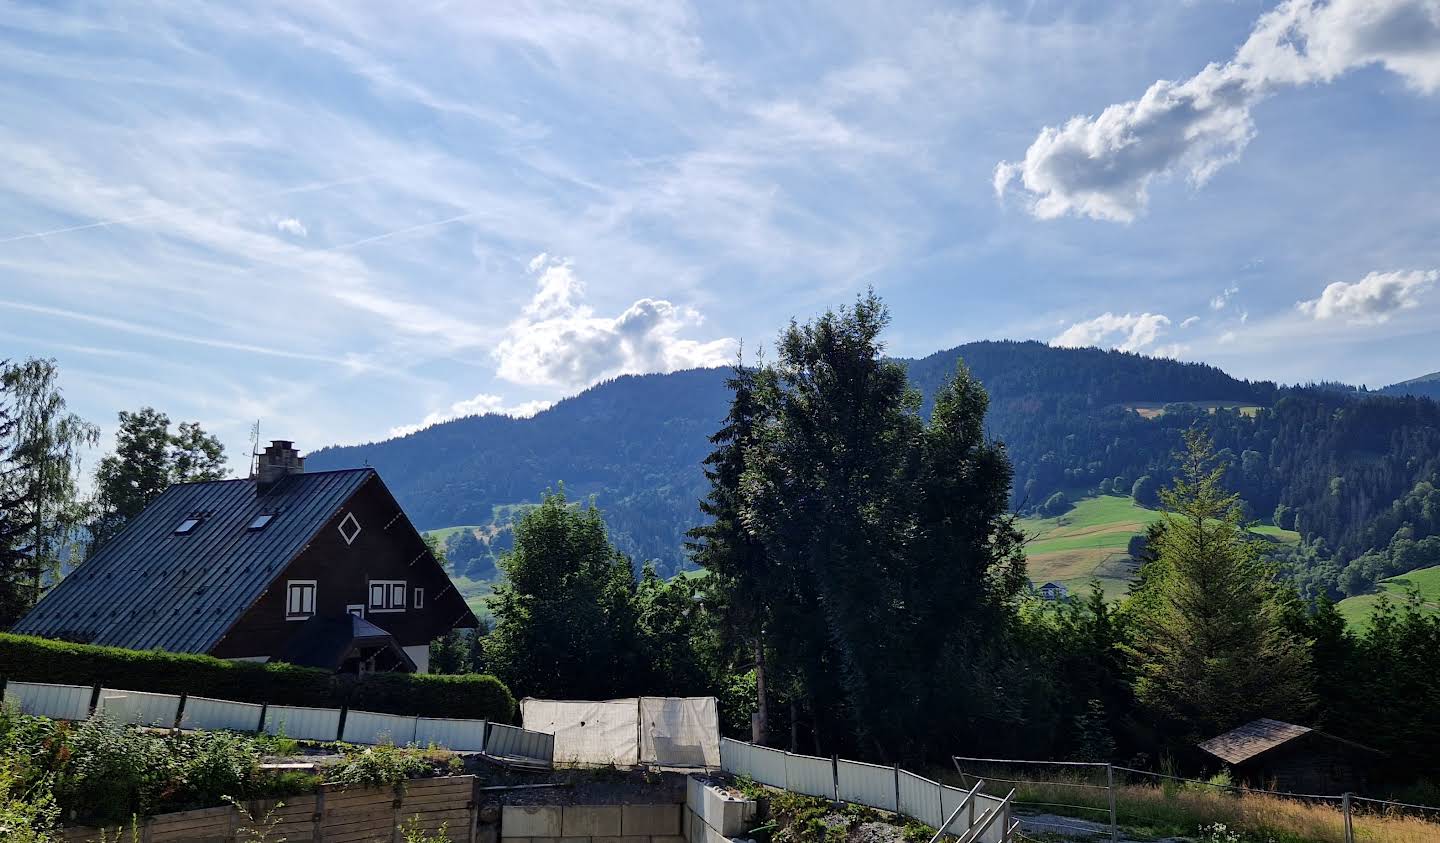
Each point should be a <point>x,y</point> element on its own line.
<point>1427,580</point>
<point>1091,541</point>
<point>1088,542</point>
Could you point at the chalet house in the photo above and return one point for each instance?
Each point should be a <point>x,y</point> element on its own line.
<point>1053,591</point>
<point>1276,755</point>
<point>321,569</point>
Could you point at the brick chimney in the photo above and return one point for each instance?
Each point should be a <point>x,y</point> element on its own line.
<point>278,460</point>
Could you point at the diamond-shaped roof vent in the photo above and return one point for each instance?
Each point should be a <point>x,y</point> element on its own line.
<point>349,528</point>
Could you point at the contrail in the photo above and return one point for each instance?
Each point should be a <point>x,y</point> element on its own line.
<point>170,213</point>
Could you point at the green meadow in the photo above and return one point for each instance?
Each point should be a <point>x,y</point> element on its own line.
<point>1357,610</point>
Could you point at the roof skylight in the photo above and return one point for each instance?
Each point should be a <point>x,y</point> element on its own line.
<point>261,520</point>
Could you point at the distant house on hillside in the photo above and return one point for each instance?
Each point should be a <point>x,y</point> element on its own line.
<point>1282,756</point>
<point>1053,591</point>
<point>321,569</point>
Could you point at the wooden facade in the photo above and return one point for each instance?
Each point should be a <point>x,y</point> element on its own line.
<point>386,549</point>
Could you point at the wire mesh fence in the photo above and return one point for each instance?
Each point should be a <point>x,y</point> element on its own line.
<point>1107,800</point>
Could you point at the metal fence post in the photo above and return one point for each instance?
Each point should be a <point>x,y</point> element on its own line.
<point>1349,824</point>
<point>835,776</point>
<point>1110,788</point>
<point>897,787</point>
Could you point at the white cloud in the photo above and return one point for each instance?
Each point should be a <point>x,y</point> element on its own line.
<point>1373,299</point>
<point>1102,166</point>
<point>1127,332</point>
<point>1224,297</point>
<point>1189,320</point>
<point>290,225</point>
<point>483,404</point>
<point>558,341</point>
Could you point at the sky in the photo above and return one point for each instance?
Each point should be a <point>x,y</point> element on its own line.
<point>351,219</point>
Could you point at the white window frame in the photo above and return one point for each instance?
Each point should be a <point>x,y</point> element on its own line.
<point>356,609</point>
<point>418,601</point>
<point>290,587</point>
<point>388,601</point>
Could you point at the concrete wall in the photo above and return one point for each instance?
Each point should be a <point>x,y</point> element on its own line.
<point>591,824</point>
<point>712,815</point>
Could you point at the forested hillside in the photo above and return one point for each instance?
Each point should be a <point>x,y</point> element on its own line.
<point>1355,473</point>
<point>1425,386</point>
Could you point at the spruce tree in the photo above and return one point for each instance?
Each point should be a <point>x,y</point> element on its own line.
<point>1213,647</point>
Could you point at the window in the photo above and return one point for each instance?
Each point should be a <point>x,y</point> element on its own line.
<point>387,595</point>
<point>260,521</point>
<point>187,526</point>
<point>356,609</point>
<point>299,599</point>
<point>419,598</point>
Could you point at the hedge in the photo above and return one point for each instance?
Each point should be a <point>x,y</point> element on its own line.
<point>24,658</point>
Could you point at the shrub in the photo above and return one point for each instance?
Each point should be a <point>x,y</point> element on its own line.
<point>385,764</point>
<point>474,696</point>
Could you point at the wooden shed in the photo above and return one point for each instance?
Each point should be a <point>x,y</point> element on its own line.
<point>1275,755</point>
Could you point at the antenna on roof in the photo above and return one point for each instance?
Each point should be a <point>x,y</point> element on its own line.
<point>255,449</point>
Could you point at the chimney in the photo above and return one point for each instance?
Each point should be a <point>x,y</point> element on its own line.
<point>279,460</point>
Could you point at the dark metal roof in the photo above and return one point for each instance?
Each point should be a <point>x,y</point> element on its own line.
<point>151,589</point>
<point>327,641</point>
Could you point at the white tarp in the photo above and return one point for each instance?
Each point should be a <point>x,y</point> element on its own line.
<point>599,733</point>
<point>680,731</point>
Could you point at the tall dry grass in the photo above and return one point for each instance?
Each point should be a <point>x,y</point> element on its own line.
<point>1183,809</point>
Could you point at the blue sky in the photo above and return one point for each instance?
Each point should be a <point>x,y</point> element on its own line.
<point>347,219</point>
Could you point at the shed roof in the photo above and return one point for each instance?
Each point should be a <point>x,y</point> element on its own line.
<point>1245,742</point>
<point>150,588</point>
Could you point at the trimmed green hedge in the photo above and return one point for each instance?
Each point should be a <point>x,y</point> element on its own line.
<point>24,658</point>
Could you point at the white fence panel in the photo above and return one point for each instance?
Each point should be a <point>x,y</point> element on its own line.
<point>450,733</point>
<point>867,784</point>
<point>372,727</point>
<point>58,702</point>
<point>520,743</point>
<point>311,724</point>
<point>995,832</point>
<point>598,733</point>
<point>950,797</point>
<point>680,731</point>
<point>767,765</point>
<point>809,775</point>
<point>207,713</point>
<point>139,708</point>
<point>920,798</point>
<point>735,757</point>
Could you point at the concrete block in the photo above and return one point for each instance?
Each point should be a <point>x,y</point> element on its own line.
<point>622,839</point>
<point>666,838</point>
<point>530,821</point>
<point>650,820</point>
<point>591,821</point>
<point>687,816</point>
<point>717,809</point>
